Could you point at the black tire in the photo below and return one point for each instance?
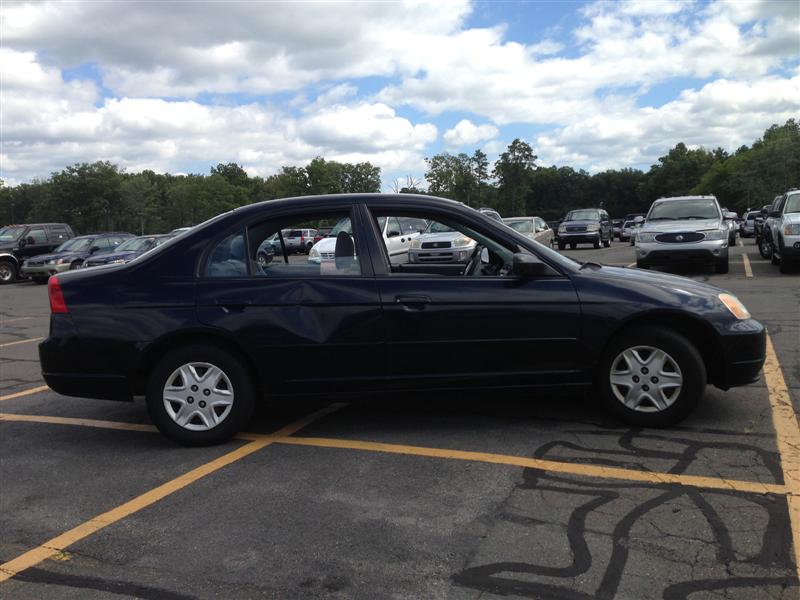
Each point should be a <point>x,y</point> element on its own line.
<point>774,260</point>
<point>8,272</point>
<point>75,265</point>
<point>309,246</point>
<point>642,265</point>
<point>244,393</point>
<point>596,244</point>
<point>561,245</point>
<point>764,249</point>
<point>785,266</point>
<point>721,265</point>
<point>572,246</point>
<point>607,243</point>
<point>40,280</point>
<point>681,350</point>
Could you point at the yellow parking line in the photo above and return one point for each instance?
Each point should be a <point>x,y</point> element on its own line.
<point>28,341</point>
<point>27,392</point>
<point>582,469</point>
<point>14,320</point>
<point>787,432</point>
<point>748,271</point>
<point>59,543</point>
<point>633,264</point>
<point>81,422</point>
<point>741,243</point>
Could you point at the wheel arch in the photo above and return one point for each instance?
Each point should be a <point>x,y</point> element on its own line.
<point>154,351</point>
<point>699,332</point>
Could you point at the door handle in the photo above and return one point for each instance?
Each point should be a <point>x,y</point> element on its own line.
<point>413,302</point>
<point>233,303</point>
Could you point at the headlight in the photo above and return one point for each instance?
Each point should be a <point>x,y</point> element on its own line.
<point>733,304</point>
<point>314,253</point>
<point>562,229</point>
<point>645,236</point>
<point>593,227</point>
<point>462,241</point>
<point>716,234</point>
<point>117,261</point>
<point>791,229</point>
<point>416,244</point>
<point>57,261</point>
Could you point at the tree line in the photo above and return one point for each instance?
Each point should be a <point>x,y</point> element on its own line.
<point>100,196</point>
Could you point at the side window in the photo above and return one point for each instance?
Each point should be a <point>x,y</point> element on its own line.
<point>58,233</point>
<point>275,249</point>
<point>102,244</point>
<point>227,259</point>
<point>393,229</point>
<point>38,234</point>
<point>412,225</point>
<point>445,247</point>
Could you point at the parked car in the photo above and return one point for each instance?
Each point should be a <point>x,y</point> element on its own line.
<point>322,233</point>
<point>491,213</point>
<point>616,228</point>
<point>179,231</point>
<point>440,243</point>
<point>762,226</point>
<point>299,240</point>
<point>128,250</point>
<point>748,226</point>
<point>629,228</point>
<point>71,254</point>
<point>533,227</point>
<point>783,231</point>
<point>681,230</point>
<point>399,235</point>
<point>18,242</point>
<point>585,226</point>
<point>208,342</point>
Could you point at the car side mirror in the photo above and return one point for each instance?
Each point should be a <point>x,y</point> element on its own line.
<point>728,217</point>
<point>22,243</point>
<point>527,266</point>
<point>392,234</point>
<point>30,240</point>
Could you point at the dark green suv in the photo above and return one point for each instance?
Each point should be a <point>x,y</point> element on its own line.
<point>18,242</point>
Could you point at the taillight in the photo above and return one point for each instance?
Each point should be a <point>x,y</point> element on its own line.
<point>57,304</point>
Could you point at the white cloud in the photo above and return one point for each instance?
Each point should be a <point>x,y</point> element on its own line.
<point>465,133</point>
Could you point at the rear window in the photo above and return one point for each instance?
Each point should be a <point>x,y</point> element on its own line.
<point>295,233</point>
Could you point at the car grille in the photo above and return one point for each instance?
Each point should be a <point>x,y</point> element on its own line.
<point>327,255</point>
<point>576,227</point>
<point>428,245</point>
<point>435,258</point>
<point>679,237</point>
<point>34,263</point>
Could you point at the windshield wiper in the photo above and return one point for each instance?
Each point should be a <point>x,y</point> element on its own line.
<point>696,217</point>
<point>589,263</point>
<point>661,219</point>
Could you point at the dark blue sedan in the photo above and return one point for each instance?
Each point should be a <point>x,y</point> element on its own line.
<point>128,250</point>
<point>205,330</point>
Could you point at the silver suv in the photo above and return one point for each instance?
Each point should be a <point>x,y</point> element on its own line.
<point>783,230</point>
<point>686,229</point>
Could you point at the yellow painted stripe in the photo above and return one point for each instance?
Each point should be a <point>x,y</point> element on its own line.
<point>28,392</point>
<point>633,264</point>
<point>81,422</point>
<point>28,341</point>
<point>580,469</point>
<point>14,320</point>
<point>748,271</point>
<point>59,543</point>
<point>787,431</point>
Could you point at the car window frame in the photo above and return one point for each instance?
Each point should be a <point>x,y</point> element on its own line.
<point>517,242</point>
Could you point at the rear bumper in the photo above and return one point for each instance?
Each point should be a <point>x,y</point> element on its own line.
<point>84,385</point>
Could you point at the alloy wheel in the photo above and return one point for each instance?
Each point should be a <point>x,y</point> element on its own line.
<point>6,273</point>
<point>198,396</point>
<point>645,379</point>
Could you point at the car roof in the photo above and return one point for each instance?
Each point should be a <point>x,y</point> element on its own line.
<point>673,198</point>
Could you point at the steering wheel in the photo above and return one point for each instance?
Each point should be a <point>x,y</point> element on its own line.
<point>474,263</point>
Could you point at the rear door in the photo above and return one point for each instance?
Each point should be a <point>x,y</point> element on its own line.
<point>302,322</point>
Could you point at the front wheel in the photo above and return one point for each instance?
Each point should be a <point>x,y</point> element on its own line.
<point>721,265</point>
<point>607,243</point>
<point>561,245</point>
<point>8,272</point>
<point>785,266</point>
<point>200,395</point>
<point>572,246</point>
<point>642,265</point>
<point>764,249</point>
<point>651,377</point>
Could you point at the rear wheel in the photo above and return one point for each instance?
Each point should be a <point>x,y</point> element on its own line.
<point>596,243</point>
<point>200,395</point>
<point>40,280</point>
<point>651,377</point>
<point>764,249</point>
<point>561,245</point>
<point>572,246</point>
<point>774,260</point>
<point>721,265</point>
<point>8,271</point>
<point>607,243</point>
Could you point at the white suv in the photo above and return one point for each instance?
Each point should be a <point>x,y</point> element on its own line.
<point>398,234</point>
<point>681,230</point>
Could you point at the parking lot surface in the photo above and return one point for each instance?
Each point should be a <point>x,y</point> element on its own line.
<point>408,496</point>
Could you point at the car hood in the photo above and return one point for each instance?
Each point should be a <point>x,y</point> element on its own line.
<point>581,222</point>
<point>109,256</point>
<point>46,257</point>
<point>445,236</point>
<point>682,225</point>
<point>327,244</point>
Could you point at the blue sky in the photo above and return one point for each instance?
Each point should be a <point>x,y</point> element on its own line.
<point>183,86</point>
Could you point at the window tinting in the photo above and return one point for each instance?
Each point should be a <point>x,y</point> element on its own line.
<point>228,258</point>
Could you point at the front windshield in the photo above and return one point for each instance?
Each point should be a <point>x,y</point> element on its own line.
<point>11,234</point>
<point>691,208</point>
<point>343,225</point>
<point>140,244</point>
<point>76,245</point>
<point>793,204</point>
<point>521,226</point>
<point>583,215</point>
<point>435,227</point>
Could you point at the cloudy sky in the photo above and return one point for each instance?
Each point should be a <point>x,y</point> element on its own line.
<point>181,86</point>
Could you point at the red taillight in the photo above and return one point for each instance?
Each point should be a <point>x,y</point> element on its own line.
<point>57,304</point>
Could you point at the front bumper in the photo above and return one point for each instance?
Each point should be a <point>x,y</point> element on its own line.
<point>579,237</point>
<point>43,270</point>
<point>439,255</point>
<point>743,354</point>
<point>707,251</point>
<point>790,246</point>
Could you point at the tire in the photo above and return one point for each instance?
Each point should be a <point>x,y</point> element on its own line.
<point>199,430</point>
<point>40,280</point>
<point>764,249</point>
<point>785,266</point>
<point>308,247</point>
<point>774,260</point>
<point>607,243</point>
<point>596,244</point>
<point>683,365</point>
<point>561,245</point>
<point>8,272</point>
<point>722,265</point>
<point>572,246</point>
<point>642,265</point>
<point>75,265</point>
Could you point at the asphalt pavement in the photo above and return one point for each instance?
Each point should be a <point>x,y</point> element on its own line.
<point>465,496</point>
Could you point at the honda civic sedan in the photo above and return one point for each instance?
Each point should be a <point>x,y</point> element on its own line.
<point>205,331</point>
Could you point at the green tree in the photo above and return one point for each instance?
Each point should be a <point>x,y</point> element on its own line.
<point>514,172</point>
